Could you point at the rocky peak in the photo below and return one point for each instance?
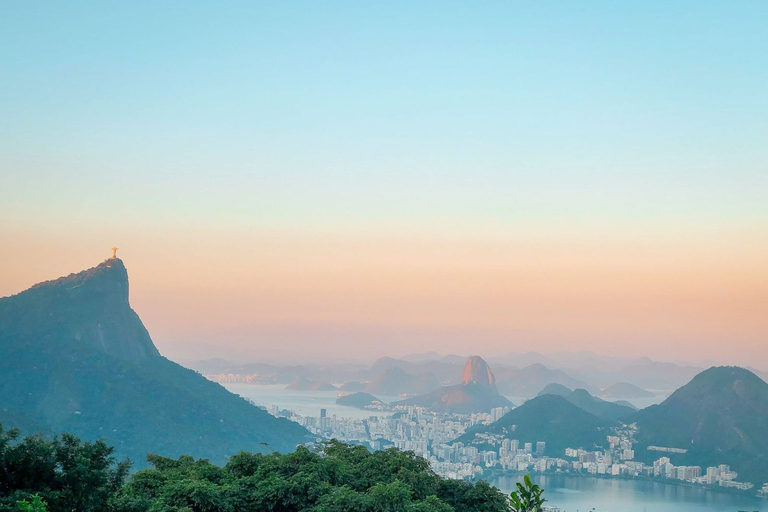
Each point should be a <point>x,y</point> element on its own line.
<point>87,308</point>
<point>477,370</point>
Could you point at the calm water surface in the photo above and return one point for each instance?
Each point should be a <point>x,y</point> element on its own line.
<point>304,403</point>
<point>574,494</point>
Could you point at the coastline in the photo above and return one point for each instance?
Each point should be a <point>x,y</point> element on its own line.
<point>494,474</point>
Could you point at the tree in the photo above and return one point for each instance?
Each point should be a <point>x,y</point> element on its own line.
<point>527,498</point>
<point>65,473</point>
<point>34,504</point>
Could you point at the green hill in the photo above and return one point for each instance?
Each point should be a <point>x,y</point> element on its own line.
<point>625,390</point>
<point>74,357</point>
<point>549,418</point>
<point>720,417</point>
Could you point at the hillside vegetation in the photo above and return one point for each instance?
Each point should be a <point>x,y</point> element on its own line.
<point>67,474</point>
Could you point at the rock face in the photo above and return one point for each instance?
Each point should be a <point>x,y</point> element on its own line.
<point>89,309</point>
<point>74,357</point>
<point>477,392</point>
<point>477,370</point>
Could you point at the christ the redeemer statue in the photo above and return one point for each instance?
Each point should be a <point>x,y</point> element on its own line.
<point>114,253</point>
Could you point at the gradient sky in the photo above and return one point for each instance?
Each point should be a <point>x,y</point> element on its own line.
<point>290,181</point>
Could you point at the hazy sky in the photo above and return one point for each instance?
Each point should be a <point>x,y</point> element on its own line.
<point>293,180</point>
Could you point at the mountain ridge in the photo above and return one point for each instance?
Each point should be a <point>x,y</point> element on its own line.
<point>75,357</point>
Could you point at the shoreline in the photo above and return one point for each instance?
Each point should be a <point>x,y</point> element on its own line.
<point>491,474</point>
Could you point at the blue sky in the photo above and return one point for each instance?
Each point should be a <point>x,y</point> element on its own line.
<point>395,112</point>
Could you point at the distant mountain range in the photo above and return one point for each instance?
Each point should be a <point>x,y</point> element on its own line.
<point>519,375</point>
<point>74,357</point>
<point>528,381</point>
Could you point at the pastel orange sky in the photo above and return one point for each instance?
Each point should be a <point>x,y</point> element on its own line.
<point>351,180</point>
<point>276,297</point>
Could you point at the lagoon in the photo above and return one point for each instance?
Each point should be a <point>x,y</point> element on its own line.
<point>592,494</point>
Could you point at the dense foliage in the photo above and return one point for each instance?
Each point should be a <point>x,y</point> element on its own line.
<point>67,474</point>
<point>64,473</point>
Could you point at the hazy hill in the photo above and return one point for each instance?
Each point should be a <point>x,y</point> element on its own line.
<point>584,400</point>
<point>359,400</point>
<point>353,386</point>
<point>600,408</point>
<point>555,389</point>
<point>447,370</point>
<point>648,374</point>
<point>625,390</point>
<point>528,381</point>
<point>549,418</point>
<point>595,371</point>
<point>394,381</point>
<point>302,384</point>
<point>721,417</point>
<point>74,357</point>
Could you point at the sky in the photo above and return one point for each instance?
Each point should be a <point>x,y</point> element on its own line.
<point>296,181</point>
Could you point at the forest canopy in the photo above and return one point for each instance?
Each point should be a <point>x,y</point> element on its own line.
<point>66,474</point>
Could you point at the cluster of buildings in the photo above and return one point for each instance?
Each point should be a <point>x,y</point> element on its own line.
<point>617,460</point>
<point>410,428</point>
<point>433,436</point>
